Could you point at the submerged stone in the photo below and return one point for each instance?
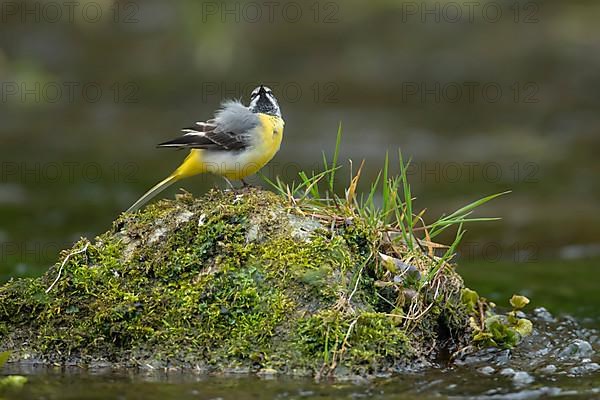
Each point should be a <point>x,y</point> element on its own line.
<point>237,281</point>
<point>548,369</point>
<point>487,370</point>
<point>585,369</point>
<point>522,378</point>
<point>578,348</point>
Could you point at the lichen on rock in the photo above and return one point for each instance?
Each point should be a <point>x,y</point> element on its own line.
<point>238,281</point>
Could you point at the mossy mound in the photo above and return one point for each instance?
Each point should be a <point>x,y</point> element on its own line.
<point>236,280</point>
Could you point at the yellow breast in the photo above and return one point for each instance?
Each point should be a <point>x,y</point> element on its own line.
<point>271,134</point>
<point>266,144</point>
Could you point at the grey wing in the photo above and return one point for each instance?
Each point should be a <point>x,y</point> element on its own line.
<point>229,130</point>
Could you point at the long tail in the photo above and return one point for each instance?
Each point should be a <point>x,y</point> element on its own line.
<point>192,165</point>
<point>159,187</point>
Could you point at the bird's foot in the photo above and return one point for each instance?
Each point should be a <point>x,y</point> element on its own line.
<point>246,186</point>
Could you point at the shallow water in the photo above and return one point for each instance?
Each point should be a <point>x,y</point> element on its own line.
<point>560,360</point>
<point>460,382</point>
<point>67,170</point>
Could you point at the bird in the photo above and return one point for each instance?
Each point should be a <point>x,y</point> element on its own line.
<point>236,143</point>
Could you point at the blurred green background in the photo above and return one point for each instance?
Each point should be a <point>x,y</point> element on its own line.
<point>484,96</point>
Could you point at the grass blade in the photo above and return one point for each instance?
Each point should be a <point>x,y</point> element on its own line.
<point>336,154</point>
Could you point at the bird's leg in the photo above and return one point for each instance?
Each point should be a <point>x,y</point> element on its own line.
<point>244,183</point>
<point>229,183</point>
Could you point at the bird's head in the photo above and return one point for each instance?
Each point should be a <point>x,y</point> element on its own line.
<point>262,100</point>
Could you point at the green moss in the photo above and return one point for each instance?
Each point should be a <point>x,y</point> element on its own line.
<point>230,280</point>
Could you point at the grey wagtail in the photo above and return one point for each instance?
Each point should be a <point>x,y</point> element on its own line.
<point>236,143</point>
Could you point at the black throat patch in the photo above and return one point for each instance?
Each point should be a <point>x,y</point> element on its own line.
<point>263,101</point>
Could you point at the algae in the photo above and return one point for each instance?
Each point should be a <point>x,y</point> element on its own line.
<point>239,281</point>
<point>493,329</point>
<point>10,382</point>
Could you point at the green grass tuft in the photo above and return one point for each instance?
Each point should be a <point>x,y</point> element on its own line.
<point>388,209</point>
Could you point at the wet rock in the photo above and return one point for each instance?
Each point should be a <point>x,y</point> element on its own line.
<point>487,370</point>
<point>549,369</point>
<point>543,314</point>
<point>584,369</point>
<point>522,378</point>
<point>507,372</point>
<point>502,357</point>
<point>479,357</point>
<point>577,349</point>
